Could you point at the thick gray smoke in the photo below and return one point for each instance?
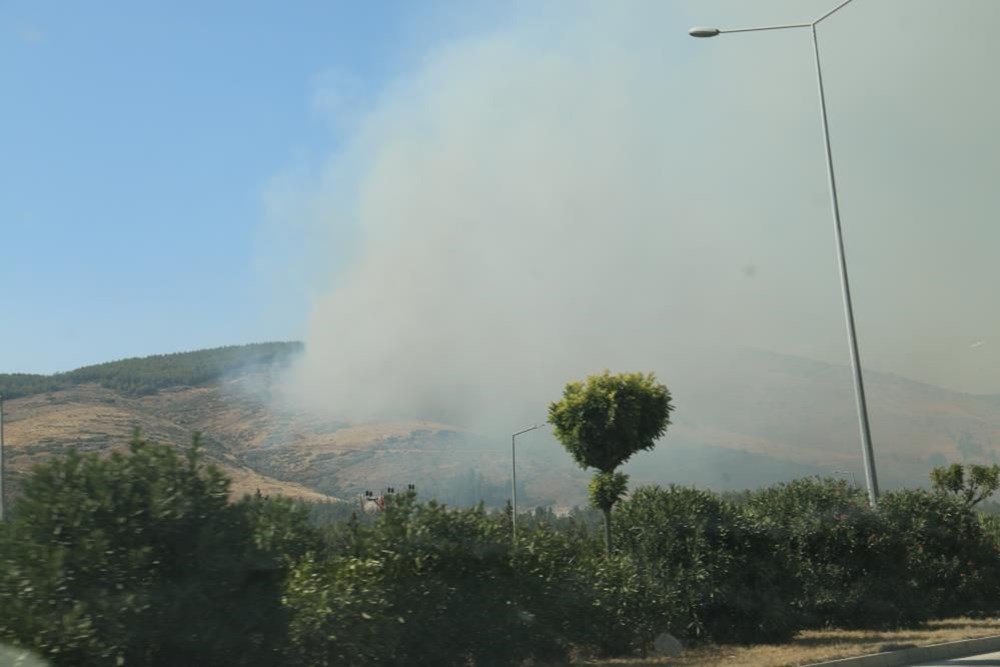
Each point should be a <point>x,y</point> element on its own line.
<point>590,188</point>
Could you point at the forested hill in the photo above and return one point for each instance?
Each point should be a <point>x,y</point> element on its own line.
<point>142,376</point>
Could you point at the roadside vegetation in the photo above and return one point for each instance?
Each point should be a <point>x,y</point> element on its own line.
<point>140,559</point>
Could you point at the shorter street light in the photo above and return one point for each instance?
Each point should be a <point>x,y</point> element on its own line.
<point>847,473</point>
<point>513,476</point>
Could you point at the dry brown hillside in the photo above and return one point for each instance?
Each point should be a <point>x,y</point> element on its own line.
<point>768,418</point>
<point>94,419</point>
<point>260,448</point>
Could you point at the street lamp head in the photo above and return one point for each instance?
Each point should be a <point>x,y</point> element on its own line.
<point>703,32</point>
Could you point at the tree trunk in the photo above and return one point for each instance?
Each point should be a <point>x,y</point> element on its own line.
<point>607,529</point>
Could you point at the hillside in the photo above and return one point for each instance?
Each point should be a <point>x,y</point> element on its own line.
<point>97,408</point>
<point>768,418</point>
<point>143,376</point>
<point>803,411</point>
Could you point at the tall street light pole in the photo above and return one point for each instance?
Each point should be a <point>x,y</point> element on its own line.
<point>513,477</point>
<point>852,339</point>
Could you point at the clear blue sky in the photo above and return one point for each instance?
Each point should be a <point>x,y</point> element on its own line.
<point>137,141</point>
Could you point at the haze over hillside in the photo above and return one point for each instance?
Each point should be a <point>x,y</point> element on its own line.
<point>767,418</point>
<point>533,198</point>
<point>591,188</point>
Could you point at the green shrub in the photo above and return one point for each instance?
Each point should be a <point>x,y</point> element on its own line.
<point>844,558</point>
<point>951,565</point>
<point>715,562</point>
<point>990,525</point>
<point>628,609</point>
<point>444,586</point>
<point>447,581</point>
<point>340,613</point>
<point>138,559</point>
<point>579,598</point>
<point>280,526</point>
<point>556,598</point>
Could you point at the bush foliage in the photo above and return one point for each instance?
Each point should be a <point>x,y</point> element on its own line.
<point>139,559</point>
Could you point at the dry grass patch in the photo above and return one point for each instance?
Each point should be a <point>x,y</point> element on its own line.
<point>246,481</point>
<point>818,645</point>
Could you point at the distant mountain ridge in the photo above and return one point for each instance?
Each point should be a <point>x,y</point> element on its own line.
<point>142,376</point>
<point>744,419</point>
<point>803,410</point>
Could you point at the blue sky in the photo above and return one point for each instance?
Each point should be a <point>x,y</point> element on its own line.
<point>359,175</point>
<point>138,140</point>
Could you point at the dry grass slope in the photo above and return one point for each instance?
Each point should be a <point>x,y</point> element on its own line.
<point>797,412</point>
<point>92,419</point>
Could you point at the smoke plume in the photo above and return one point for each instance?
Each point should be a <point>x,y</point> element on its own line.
<point>590,188</point>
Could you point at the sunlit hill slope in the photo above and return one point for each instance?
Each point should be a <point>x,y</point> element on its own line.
<point>769,418</point>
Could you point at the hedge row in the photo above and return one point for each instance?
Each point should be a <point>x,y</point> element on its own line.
<point>139,559</point>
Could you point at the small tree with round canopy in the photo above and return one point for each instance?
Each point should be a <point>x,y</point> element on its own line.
<point>605,419</point>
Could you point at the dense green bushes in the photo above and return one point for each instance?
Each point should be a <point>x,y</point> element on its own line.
<point>842,557</point>
<point>719,563</point>
<point>442,586</point>
<point>920,555</point>
<point>139,558</point>
<point>951,563</point>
